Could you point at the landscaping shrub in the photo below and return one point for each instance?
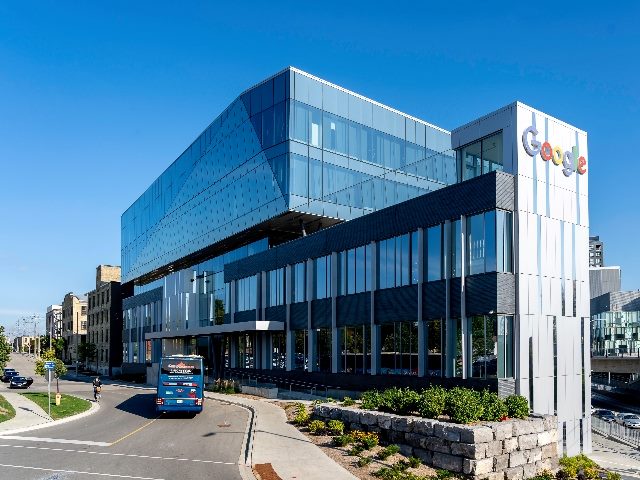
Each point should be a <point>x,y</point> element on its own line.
<point>414,462</point>
<point>494,408</point>
<point>402,401</point>
<point>388,451</point>
<point>613,476</point>
<point>464,405</point>
<point>348,402</point>
<point>517,406</point>
<point>364,461</point>
<point>356,450</point>
<point>401,465</point>
<point>317,427</point>
<point>335,427</point>
<point>367,440</point>
<point>432,402</point>
<point>370,400</point>
<point>394,473</point>
<point>302,415</point>
<point>343,440</point>
<point>572,465</point>
<point>544,475</point>
<point>444,474</point>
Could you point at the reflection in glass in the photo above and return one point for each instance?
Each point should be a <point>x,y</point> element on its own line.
<point>300,358</point>
<point>323,349</point>
<point>399,352</point>
<point>355,349</point>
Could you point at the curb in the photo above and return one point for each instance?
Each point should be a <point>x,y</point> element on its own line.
<point>93,409</point>
<point>245,460</point>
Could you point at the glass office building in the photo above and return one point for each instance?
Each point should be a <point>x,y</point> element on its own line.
<point>315,234</point>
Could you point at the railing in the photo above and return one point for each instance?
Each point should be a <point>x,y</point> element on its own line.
<point>253,378</point>
<point>615,430</point>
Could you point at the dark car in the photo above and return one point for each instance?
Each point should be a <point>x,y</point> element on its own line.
<point>20,382</point>
<point>8,374</point>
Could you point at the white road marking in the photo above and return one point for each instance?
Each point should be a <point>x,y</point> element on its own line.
<point>78,471</point>
<point>131,455</point>
<point>54,440</point>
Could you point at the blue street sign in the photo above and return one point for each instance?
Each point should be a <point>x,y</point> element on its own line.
<point>50,365</point>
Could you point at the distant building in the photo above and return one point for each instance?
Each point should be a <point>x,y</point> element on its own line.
<point>24,344</point>
<point>54,321</point>
<point>74,325</point>
<point>604,280</point>
<point>104,320</point>
<point>615,323</point>
<point>596,252</point>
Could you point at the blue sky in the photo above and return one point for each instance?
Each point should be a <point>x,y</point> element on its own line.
<point>98,98</point>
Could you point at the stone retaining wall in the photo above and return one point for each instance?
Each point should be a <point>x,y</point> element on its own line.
<point>509,450</point>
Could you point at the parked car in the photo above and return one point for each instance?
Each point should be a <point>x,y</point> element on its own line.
<point>620,417</point>
<point>601,412</point>
<point>20,382</point>
<point>608,418</point>
<point>631,420</point>
<point>8,374</point>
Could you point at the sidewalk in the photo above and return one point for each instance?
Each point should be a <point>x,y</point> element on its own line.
<point>28,414</point>
<point>616,456</point>
<point>282,445</point>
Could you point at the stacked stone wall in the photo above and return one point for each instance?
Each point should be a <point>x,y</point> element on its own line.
<point>510,450</point>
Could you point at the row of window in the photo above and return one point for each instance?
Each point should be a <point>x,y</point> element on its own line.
<point>488,246</point>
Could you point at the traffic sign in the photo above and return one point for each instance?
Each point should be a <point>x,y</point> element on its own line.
<point>50,365</point>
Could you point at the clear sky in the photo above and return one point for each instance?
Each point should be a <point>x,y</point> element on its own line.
<point>98,98</point>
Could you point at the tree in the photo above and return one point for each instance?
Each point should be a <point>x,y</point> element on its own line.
<point>5,349</point>
<point>59,345</point>
<point>87,351</point>
<point>50,356</point>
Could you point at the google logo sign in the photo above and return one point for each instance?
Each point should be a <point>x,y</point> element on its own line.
<point>571,161</point>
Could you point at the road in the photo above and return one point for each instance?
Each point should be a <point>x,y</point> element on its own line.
<point>126,439</point>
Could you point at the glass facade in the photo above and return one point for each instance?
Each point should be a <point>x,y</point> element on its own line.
<point>355,270</point>
<point>615,333</point>
<point>480,157</point>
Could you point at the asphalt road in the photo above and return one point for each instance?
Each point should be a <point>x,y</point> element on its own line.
<point>126,439</point>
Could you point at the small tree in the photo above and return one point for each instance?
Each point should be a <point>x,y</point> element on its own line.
<point>87,351</point>
<point>50,356</point>
<point>5,349</point>
<point>59,345</point>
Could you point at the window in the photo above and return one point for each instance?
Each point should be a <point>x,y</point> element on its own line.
<point>246,293</point>
<point>435,347</point>
<point>433,255</point>
<point>481,243</point>
<point>491,343</point>
<point>275,287</point>
<point>300,358</point>
<point>456,249</point>
<point>323,349</point>
<point>354,270</point>
<point>355,349</point>
<point>480,157</point>
<point>322,277</point>
<point>396,267</point>
<point>399,352</point>
<point>278,351</point>
<point>299,282</point>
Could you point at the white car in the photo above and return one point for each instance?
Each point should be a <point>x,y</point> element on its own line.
<point>631,420</point>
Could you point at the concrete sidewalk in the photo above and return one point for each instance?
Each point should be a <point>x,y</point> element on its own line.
<point>274,441</point>
<point>28,414</point>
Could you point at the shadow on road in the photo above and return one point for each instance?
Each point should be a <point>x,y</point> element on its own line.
<point>141,404</point>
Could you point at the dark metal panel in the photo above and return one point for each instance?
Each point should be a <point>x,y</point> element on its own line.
<point>398,304</point>
<point>481,294</point>
<point>506,293</point>
<point>142,299</point>
<point>353,309</point>
<point>321,313</point>
<point>275,314</point>
<point>434,299</point>
<point>299,316</point>
<point>486,192</point>
<point>246,316</point>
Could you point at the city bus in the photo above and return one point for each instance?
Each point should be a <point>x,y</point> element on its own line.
<point>180,384</point>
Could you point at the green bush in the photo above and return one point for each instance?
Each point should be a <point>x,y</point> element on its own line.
<point>414,462</point>
<point>343,440</point>
<point>464,405</point>
<point>444,474</point>
<point>356,450</point>
<point>369,441</point>
<point>517,406</point>
<point>388,451</point>
<point>432,402</point>
<point>613,476</point>
<point>370,400</point>
<point>348,402</point>
<point>302,415</point>
<point>364,461</point>
<point>317,427</point>
<point>401,465</point>
<point>572,465</point>
<point>335,427</point>
<point>494,408</point>
<point>401,401</point>
<point>544,475</point>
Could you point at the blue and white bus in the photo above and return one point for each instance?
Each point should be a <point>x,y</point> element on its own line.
<point>180,384</point>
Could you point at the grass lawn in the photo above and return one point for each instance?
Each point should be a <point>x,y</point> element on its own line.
<point>69,405</point>
<point>6,410</point>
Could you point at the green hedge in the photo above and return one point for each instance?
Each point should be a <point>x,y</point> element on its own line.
<point>462,405</point>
